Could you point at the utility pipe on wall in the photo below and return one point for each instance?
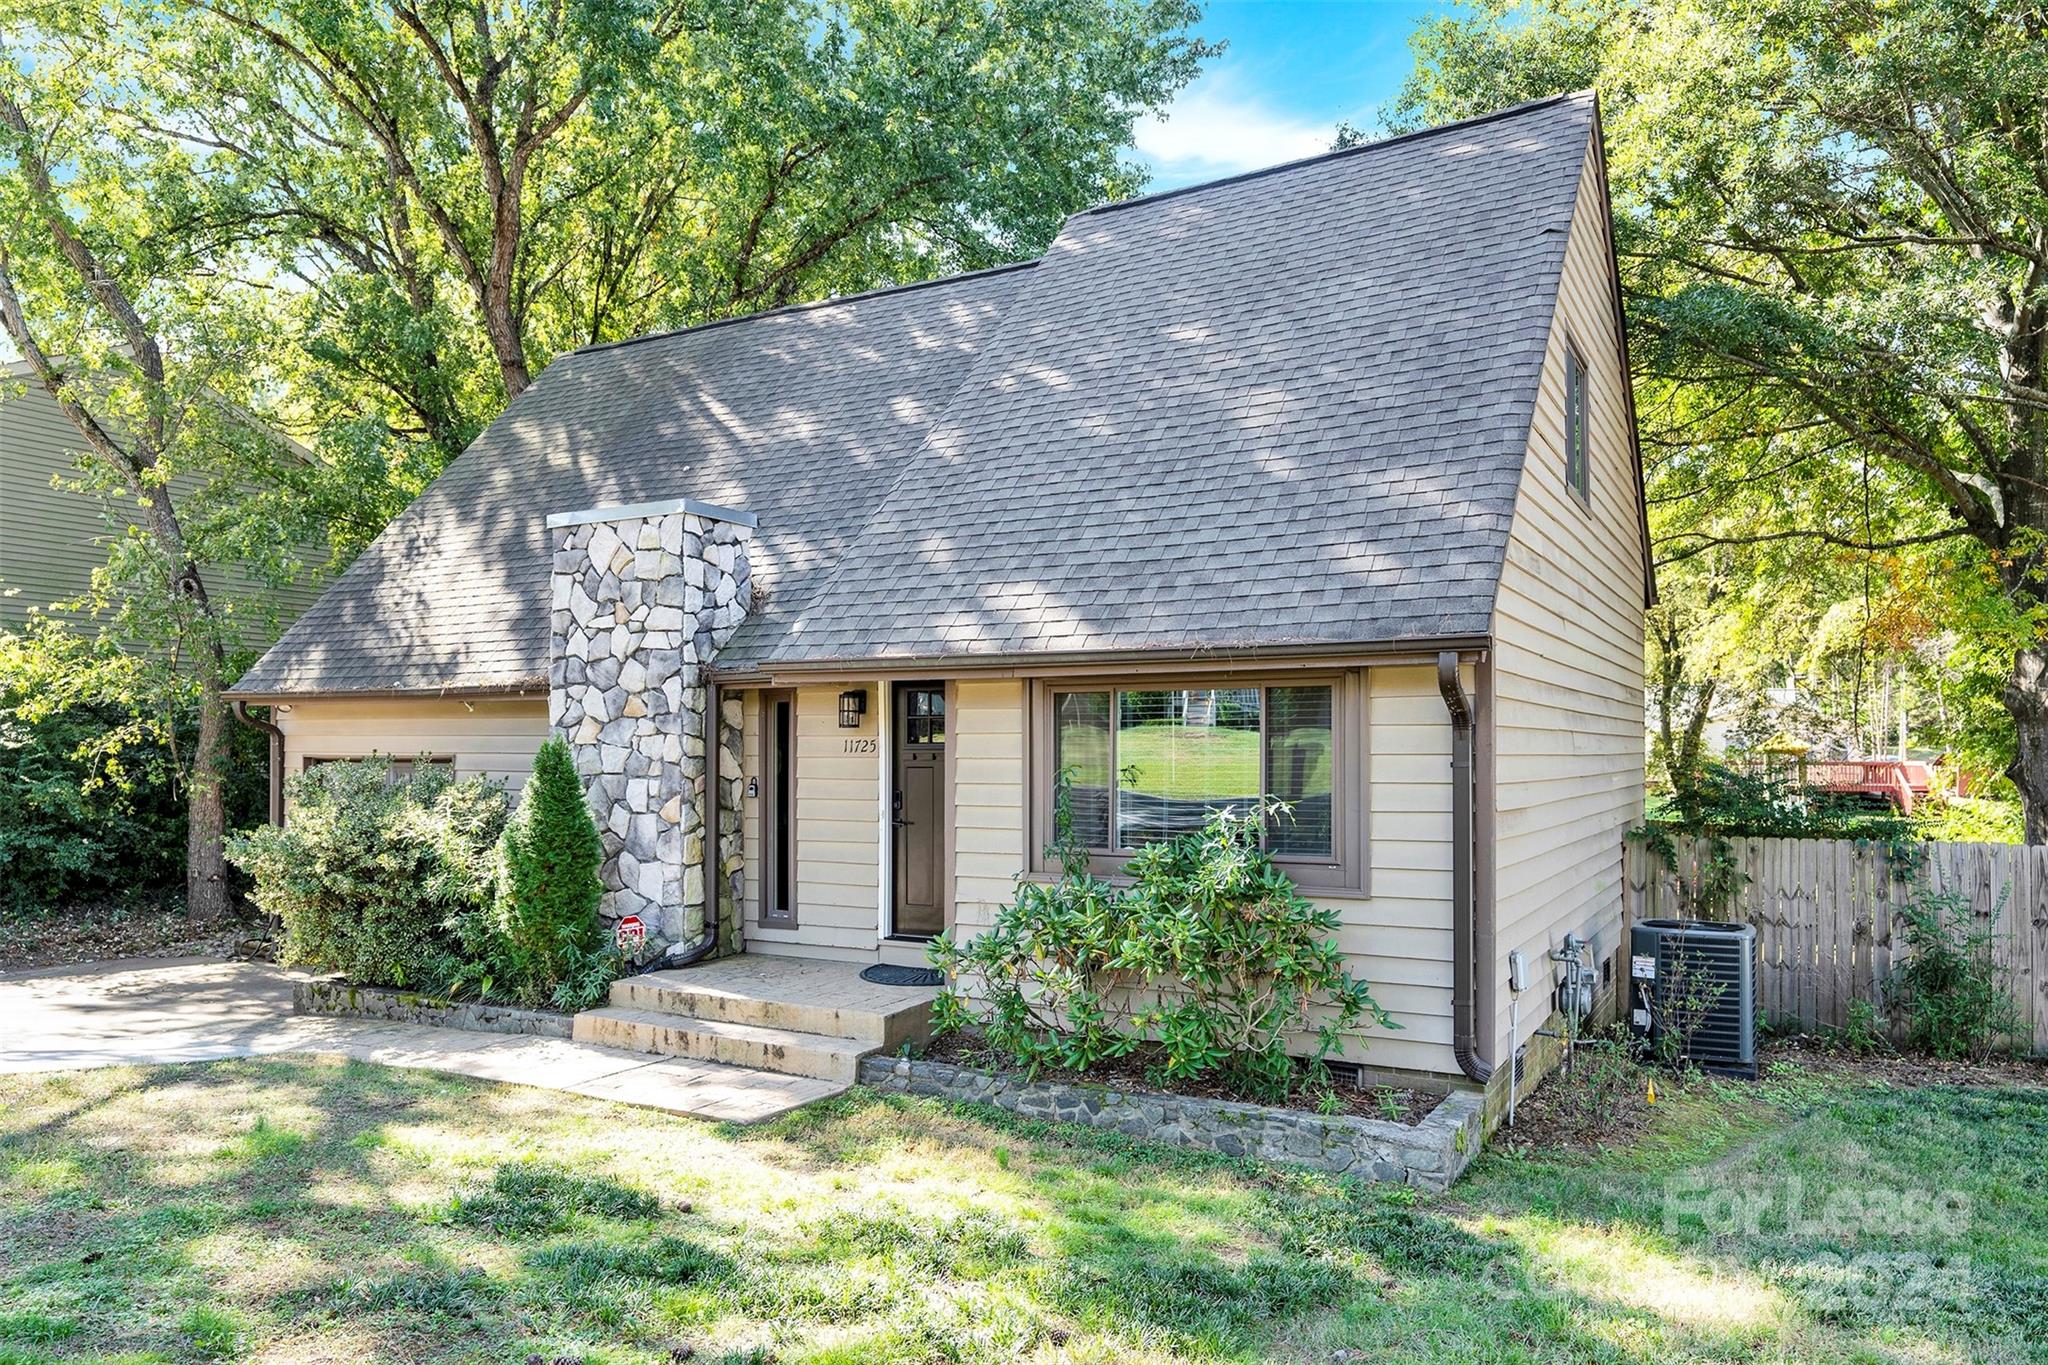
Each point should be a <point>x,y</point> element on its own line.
<point>682,955</point>
<point>241,710</point>
<point>1464,916</point>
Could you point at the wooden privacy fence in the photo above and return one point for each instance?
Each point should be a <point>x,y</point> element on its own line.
<point>1824,911</point>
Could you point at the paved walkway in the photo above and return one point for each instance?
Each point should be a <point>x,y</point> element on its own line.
<point>189,1010</point>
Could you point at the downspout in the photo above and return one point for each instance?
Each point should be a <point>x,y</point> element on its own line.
<point>1464,916</point>
<point>241,710</point>
<point>680,956</point>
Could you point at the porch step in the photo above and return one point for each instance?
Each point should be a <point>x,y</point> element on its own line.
<point>827,999</point>
<point>826,1056</point>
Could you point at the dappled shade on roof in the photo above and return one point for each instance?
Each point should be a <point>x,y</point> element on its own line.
<point>1283,410</point>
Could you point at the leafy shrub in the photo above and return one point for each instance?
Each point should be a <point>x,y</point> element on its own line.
<point>92,797</point>
<point>89,799</point>
<point>83,814</point>
<point>1717,798</point>
<point>372,870</point>
<point>1863,1033</point>
<point>1969,820</point>
<point>1949,991</point>
<point>544,942</point>
<point>1204,966</point>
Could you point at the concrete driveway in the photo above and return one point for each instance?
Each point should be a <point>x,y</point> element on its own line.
<point>192,1010</point>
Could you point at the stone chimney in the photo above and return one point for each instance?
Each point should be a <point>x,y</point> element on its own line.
<point>642,598</point>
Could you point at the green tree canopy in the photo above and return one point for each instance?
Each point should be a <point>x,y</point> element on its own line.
<point>449,195</point>
<point>370,225</point>
<point>1832,217</point>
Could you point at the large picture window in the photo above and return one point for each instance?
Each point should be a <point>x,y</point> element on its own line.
<point>1150,762</point>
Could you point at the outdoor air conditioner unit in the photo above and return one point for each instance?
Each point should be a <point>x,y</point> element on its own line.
<point>1697,978</point>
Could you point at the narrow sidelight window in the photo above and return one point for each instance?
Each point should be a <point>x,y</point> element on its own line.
<point>1081,750</point>
<point>778,814</point>
<point>1576,471</point>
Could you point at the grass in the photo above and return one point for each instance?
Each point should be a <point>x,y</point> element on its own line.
<point>300,1209</point>
<point>1193,763</point>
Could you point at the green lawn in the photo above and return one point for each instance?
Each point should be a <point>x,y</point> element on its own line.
<point>302,1210</point>
<point>1190,763</point>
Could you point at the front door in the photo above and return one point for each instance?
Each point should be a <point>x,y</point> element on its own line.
<point>919,810</point>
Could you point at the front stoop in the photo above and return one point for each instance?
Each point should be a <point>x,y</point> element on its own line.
<point>795,1016</point>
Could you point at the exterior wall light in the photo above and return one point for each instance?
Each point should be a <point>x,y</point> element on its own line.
<point>852,706</point>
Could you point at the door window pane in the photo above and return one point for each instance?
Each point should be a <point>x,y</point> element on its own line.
<point>1081,749</point>
<point>1299,752</point>
<point>924,715</point>
<point>1181,755</point>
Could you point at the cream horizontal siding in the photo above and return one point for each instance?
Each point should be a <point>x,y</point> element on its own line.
<point>51,538</point>
<point>987,729</point>
<point>838,832</point>
<point>489,738</point>
<point>1399,939</point>
<point>1568,659</point>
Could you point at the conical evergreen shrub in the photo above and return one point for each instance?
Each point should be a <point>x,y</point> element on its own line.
<point>554,948</point>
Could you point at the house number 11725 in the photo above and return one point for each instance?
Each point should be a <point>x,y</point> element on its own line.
<point>860,746</point>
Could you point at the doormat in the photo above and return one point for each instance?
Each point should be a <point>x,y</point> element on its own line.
<point>889,974</point>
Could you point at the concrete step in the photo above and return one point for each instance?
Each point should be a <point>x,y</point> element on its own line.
<point>828,1057</point>
<point>883,1018</point>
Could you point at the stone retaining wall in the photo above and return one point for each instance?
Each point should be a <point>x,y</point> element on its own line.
<point>405,1007</point>
<point>1429,1155</point>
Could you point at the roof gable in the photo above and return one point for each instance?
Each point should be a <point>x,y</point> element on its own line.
<point>1285,410</point>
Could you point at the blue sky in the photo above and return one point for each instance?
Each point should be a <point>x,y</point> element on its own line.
<point>1293,71</point>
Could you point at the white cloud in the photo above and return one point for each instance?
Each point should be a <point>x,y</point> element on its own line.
<point>1217,128</point>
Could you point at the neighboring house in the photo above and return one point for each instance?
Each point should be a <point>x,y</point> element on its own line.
<point>52,538</point>
<point>1319,482</point>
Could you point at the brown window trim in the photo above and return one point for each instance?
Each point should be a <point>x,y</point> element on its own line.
<point>431,760</point>
<point>1344,875</point>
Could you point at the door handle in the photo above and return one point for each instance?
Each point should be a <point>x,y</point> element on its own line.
<point>896,812</point>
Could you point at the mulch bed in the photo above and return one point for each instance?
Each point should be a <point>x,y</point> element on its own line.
<point>104,931</point>
<point>1399,1105</point>
<point>1604,1102</point>
<point>1907,1070</point>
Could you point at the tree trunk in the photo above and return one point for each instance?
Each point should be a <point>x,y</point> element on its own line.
<point>206,884</point>
<point>506,345</point>
<point>2026,697</point>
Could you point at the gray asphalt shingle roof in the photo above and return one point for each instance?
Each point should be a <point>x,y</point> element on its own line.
<point>1286,409</point>
<point>1289,409</point>
<point>804,416</point>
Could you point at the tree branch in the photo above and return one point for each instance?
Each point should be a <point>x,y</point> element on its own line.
<point>1709,541</point>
